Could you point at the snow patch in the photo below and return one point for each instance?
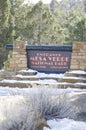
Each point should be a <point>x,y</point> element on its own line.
<point>77,72</point>
<point>66,124</point>
<point>49,81</point>
<point>10,91</point>
<point>41,75</point>
<point>79,78</point>
<point>1,70</point>
<point>29,70</point>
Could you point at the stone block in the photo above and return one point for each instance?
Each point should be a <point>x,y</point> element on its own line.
<point>23,52</point>
<point>15,53</point>
<point>13,65</point>
<point>18,62</point>
<point>83,61</point>
<point>76,50</point>
<point>74,57</point>
<point>82,50</point>
<point>16,56</point>
<point>81,54</point>
<point>73,60</point>
<point>83,67</point>
<point>22,65</point>
<point>74,67</point>
<point>79,46</point>
<point>84,47</point>
<point>74,54</point>
<point>22,56</point>
<point>24,62</point>
<point>76,62</point>
<point>19,45</point>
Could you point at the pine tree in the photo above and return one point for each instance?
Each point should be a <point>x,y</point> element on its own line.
<point>42,26</point>
<point>7,20</point>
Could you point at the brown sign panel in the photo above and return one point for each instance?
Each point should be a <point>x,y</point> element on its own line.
<point>49,61</point>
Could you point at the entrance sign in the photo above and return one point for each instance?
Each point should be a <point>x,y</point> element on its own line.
<point>55,59</point>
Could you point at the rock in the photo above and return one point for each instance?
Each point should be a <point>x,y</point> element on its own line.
<point>78,101</point>
<point>41,124</point>
<point>81,116</point>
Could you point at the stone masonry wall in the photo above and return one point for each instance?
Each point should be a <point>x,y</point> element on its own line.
<point>19,57</point>
<point>78,61</point>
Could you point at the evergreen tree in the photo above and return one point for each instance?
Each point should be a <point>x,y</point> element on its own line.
<point>4,20</point>
<point>62,22</point>
<point>69,14</point>
<point>7,20</point>
<point>42,26</point>
<point>76,15</point>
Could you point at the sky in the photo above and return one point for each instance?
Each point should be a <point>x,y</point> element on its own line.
<point>44,1</point>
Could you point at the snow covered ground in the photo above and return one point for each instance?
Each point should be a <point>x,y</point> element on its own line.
<point>58,124</point>
<point>66,124</point>
<point>4,91</point>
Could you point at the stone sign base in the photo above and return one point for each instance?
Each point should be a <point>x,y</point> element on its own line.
<point>19,57</point>
<point>78,61</point>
